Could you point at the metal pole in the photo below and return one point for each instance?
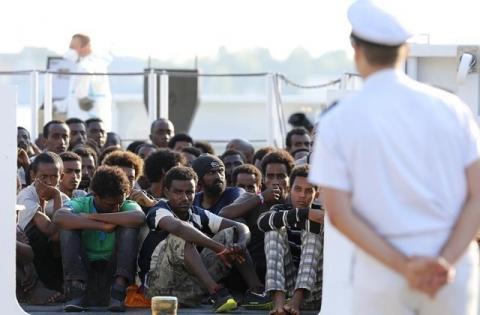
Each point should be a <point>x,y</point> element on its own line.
<point>34,104</point>
<point>269,108</point>
<point>412,67</point>
<point>164,95</point>
<point>47,98</point>
<point>152,96</point>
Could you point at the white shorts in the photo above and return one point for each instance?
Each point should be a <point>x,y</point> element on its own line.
<point>378,290</point>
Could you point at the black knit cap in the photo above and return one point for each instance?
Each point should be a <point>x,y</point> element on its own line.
<point>204,163</point>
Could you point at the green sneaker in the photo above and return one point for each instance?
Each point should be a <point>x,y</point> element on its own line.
<point>223,302</point>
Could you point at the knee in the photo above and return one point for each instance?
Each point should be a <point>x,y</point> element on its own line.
<point>69,235</point>
<point>127,232</point>
<point>273,235</point>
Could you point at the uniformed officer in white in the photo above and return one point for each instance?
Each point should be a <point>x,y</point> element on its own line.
<point>398,163</point>
<point>90,95</point>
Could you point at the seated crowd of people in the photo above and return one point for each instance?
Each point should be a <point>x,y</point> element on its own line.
<point>99,225</point>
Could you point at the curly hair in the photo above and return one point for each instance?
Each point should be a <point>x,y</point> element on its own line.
<point>260,153</point>
<point>109,181</point>
<point>247,169</point>
<point>106,151</point>
<point>280,157</point>
<point>180,173</point>
<point>125,159</point>
<point>160,162</point>
<point>299,171</point>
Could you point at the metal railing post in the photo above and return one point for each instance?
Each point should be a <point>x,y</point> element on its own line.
<point>47,98</point>
<point>164,95</point>
<point>269,108</point>
<point>152,96</point>
<point>34,104</point>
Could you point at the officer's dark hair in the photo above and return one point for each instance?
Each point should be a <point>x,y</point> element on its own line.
<point>377,54</point>
<point>180,173</point>
<point>47,126</point>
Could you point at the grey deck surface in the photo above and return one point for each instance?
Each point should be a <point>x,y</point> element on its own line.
<point>40,310</point>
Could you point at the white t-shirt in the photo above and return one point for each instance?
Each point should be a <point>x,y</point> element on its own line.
<point>28,197</point>
<point>401,148</point>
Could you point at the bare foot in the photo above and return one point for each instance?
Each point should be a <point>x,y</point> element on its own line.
<point>278,311</point>
<point>291,309</point>
<point>40,295</point>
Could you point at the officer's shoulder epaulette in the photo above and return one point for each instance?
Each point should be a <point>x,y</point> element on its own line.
<point>329,108</point>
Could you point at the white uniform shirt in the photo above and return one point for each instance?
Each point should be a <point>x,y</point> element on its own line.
<point>95,87</point>
<point>401,148</point>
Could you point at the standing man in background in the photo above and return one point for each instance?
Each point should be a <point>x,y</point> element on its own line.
<point>398,163</point>
<point>90,95</point>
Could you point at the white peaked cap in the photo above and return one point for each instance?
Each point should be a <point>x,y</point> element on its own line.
<point>374,24</point>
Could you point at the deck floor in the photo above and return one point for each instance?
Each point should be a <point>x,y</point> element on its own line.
<point>40,310</point>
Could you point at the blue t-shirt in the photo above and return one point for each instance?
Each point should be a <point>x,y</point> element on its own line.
<point>227,198</point>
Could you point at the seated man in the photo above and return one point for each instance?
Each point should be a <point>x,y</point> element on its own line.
<point>57,136</point>
<point>72,174</point>
<point>283,277</point>
<point>180,141</point>
<point>211,179</point>
<point>248,177</point>
<point>132,165</point>
<point>195,250</point>
<point>276,167</point>
<point>41,200</point>
<point>231,159</point>
<point>243,146</point>
<point>157,165</point>
<point>99,233</point>
<point>89,164</point>
<point>161,131</point>
<point>78,132</point>
<point>30,288</point>
<point>298,138</point>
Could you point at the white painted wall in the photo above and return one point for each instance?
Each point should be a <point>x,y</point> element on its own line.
<point>8,165</point>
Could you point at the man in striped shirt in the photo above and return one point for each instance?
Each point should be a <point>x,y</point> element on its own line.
<point>284,277</point>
